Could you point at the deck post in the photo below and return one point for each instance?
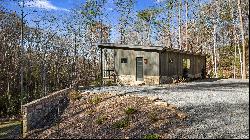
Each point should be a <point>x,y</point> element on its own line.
<point>101,69</point>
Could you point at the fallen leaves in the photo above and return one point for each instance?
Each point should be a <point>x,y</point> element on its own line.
<point>107,115</point>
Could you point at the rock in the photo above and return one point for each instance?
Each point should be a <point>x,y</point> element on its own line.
<point>172,107</point>
<point>153,98</point>
<point>162,103</point>
<point>181,115</point>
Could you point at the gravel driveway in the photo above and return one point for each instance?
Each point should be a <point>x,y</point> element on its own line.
<point>217,108</point>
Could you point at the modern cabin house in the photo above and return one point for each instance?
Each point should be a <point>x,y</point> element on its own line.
<point>149,65</point>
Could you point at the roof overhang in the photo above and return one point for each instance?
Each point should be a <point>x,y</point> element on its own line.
<point>145,48</point>
<point>130,47</point>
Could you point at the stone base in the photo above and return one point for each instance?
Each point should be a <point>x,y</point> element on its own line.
<point>197,75</point>
<point>152,80</point>
<point>131,80</point>
<point>126,79</point>
<point>171,79</point>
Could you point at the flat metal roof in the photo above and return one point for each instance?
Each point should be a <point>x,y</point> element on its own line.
<point>134,47</point>
<point>149,48</point>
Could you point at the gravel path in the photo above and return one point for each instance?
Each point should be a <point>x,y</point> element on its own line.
<point>216,108</point>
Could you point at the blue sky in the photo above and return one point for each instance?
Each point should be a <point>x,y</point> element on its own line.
<point>60,8</point>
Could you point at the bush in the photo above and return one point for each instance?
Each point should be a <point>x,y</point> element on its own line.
<point>153,117</point>
<point>220,74</point>
<point>10,105</point>
<point>130,110</point>
<point>151,136</point>
<point>109,83</point>
<point>97,81</point>
<point>95,100</point>
<point>74,95</point>
<point>121,123</point>
<point>101,119</point>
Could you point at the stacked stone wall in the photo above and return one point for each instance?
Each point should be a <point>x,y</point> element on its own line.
<point>43,111</point>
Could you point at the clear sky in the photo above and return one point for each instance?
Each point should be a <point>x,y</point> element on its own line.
<point>62,8</point>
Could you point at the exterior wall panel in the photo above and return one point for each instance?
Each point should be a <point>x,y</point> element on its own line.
<point>127,71</point>
<point>158,65</point>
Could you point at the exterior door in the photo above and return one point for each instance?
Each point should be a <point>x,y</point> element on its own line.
<point>139,69</point>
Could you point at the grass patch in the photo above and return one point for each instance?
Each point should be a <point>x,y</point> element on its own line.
<point>95,100</point>
<point>101,119</point>
<point>121,123</point>
<point>153,117</point>
<point>7,127</point>
<point>90,112</point>
<point>152,136</point>
<point>130,110</point>
<point>74,95</point>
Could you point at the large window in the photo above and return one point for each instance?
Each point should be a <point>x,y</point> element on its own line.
<point>124,60</point>
<point>186,63</point>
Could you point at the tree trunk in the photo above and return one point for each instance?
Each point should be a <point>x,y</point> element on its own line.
<point>243,42</point>
<point>22,53</point>
<point>187,26</point>
<point>234,40</point>
<point>241,64</point>
<point>179,20</point>
<point>234,64</point>
<point>215,58</point>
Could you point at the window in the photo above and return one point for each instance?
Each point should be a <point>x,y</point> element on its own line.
<point>186,63</point>
<point>124,60</point>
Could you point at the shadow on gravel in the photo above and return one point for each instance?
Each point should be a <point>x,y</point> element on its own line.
<point>206,86</point>
<point>208,80</point>
<point>216,121</point>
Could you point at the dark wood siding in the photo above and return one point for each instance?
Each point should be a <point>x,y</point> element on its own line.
<point>176,67</point>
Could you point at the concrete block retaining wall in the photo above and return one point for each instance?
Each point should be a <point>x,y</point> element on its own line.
<point>35,113</point>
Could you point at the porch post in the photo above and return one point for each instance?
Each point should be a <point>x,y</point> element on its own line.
<point>101,69</point>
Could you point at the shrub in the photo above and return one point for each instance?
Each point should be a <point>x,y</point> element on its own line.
<point>130,110</point>
<point>97,81</point>
<point>90,111</point>
<point>74,95</point>
<point>109,83</point>
<point>121,123</point>
<point>95,100</point>
<point>153,117</point>
<point>101,119</point>
<point>151,136</point>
